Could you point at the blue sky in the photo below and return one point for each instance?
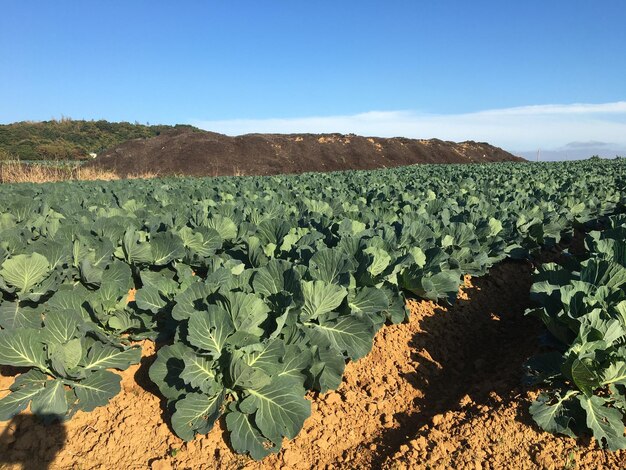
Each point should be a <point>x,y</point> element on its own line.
<point>456,70</point>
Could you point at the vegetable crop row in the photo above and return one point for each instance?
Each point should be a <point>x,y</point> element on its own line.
<point>583,305</point>
<point>257,288</point>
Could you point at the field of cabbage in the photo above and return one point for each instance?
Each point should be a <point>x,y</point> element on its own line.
<point>583,305</point>
<point>258,289</point>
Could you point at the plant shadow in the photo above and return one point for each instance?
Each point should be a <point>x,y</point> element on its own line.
<point>469,355</point>
<point>27,441</point>
<point>142,379</point>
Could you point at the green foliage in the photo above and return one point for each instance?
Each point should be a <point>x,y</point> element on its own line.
<point>583,305</point>
<point>5,155</point>
<point>262,288</point>
<point>67,139</point>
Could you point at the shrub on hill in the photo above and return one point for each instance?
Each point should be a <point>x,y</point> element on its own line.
<point>69,139</point>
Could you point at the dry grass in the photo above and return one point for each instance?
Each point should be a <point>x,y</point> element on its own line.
<point>18,172</point>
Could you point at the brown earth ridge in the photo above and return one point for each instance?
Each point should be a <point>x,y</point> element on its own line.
<point>213,154</point>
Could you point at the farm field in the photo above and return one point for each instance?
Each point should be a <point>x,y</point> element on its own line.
<point>483,339</point>
<point>354,319</point>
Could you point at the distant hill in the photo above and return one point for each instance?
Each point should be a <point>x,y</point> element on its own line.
<point>67,139</point>
<point>211,154</point>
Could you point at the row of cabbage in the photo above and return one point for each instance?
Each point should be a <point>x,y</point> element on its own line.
<point>583,305</point>
<point>257,289</point>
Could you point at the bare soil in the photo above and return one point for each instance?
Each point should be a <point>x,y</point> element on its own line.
<point>212,154</point>
<point>441,391</point>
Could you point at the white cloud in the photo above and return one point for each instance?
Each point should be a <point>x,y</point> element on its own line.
<point>618,107</point>
<point>515,129</point>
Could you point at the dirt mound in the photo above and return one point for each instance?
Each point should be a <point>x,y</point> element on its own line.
<point>441,391</point>
<point>211,154</point>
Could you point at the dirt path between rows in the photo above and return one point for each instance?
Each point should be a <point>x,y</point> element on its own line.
<point>441,391</point>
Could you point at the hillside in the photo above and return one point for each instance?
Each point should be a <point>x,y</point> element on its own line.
<point>212,154</point>
<point>67,139</point>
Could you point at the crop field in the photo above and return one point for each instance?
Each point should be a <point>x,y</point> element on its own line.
<point>290,320</point>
